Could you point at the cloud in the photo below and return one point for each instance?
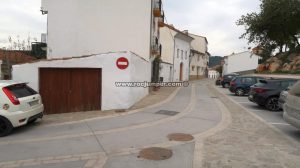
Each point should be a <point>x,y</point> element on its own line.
<point>214,19</point>
<point>19,18</point>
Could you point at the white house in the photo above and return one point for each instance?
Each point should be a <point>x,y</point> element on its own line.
<point>85,40</point>
<point>175,54</point>
<point>199,57</point>
<point>213,74</point>
<point>244,62</point>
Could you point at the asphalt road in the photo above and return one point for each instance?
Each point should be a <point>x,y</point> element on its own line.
<point>273,118</point>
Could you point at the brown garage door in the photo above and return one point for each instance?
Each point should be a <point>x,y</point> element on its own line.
<point>65,90</point>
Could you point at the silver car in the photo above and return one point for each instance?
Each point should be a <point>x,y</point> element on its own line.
<point>292,106</point>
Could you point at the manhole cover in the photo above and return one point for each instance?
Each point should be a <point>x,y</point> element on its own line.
<point>180,137</point>
<point>166,112</point>
<point>155,153</point>
<point>214,97</point>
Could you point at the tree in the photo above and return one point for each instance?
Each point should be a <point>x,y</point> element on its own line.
<point>275,26</point>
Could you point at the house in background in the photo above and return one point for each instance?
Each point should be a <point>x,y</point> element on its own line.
<point>199,57</point>
<point>213,74</point>
<point>175,54</point>
<point>85,41</point>
<point>242,63</point>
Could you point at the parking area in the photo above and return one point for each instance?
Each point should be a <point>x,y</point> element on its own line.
<point>273,118</point>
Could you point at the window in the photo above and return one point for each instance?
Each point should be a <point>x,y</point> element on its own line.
<point>186,55</point>
<point>247,80</point>
<point>181,54</point>
<point>286,84</point>
<point>198,58</point>
<point>193,68</point>
<point>177,53</point>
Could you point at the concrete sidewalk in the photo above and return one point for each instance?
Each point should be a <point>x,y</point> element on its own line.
<point>153,98</point>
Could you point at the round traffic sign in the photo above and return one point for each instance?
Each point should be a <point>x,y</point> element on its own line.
<point>122,63</point>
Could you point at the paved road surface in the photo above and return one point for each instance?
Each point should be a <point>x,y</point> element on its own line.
<point>115,142</point>
<point>273,118</point>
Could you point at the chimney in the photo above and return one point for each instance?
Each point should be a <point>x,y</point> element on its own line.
<point>186,32</point>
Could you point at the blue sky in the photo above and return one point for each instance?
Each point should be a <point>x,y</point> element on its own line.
<point>214,19</point>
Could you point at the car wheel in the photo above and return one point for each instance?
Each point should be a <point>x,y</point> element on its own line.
<point>5,127</point>
<point>272,104</point>
<point>240,92</point>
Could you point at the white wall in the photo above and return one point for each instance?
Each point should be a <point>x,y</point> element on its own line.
<point>77,27</point>
<point>112,97</point>
<point>201,64</point>
<point>167,42</point>
<point>213,74</point>
<point>184,46</point>
<point>199,43</point>
<point>166,71</point>
<point>244,61</point>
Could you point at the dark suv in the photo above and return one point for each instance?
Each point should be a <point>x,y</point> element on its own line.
<point>241,85</point>
<point>267,92</point>
<point>226,79</point>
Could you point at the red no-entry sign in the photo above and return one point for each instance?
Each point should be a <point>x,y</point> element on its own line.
<point>122,63</point>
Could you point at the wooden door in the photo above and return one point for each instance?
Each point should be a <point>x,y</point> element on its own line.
<point>65,90</point>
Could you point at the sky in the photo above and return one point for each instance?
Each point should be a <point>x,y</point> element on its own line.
<point>214,19</point>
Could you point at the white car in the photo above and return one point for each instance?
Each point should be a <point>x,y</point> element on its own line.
<point>292,106</point>
<point>19,105</point>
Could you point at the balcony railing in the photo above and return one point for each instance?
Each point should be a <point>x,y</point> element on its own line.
<point>157,11</point>
<point>161,20</point>
<point>156,47</point>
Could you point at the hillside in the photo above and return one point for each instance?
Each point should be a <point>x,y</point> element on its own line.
<point>214,60</point>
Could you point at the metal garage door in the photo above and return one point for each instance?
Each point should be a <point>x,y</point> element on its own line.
<point>67,90</point>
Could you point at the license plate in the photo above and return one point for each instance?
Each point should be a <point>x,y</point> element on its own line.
<point>33,103</point>
<point>251,96</point>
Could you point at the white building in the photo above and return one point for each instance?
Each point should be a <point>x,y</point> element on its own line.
<point>245,62</point>
<point>77,27</point>
<point>199,57</point>
<point>86,38</point>
<point>213,74</point>
<point>175,54</point>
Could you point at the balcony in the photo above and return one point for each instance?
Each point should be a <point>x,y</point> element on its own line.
<point>161,20</point>
<point>157,11</point>
<point>156,48</point>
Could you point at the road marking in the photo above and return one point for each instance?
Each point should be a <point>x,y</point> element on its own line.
<point>279,124</point>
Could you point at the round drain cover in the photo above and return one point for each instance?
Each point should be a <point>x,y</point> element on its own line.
<point>180,137</point>
<point>155,153</point>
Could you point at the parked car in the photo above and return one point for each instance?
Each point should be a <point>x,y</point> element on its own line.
<point>218,81</point>
<point>266,92</point>
<point>226,79</point>
<point>292,106</point>
<point>240,85</point>
<point>19,105</point>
